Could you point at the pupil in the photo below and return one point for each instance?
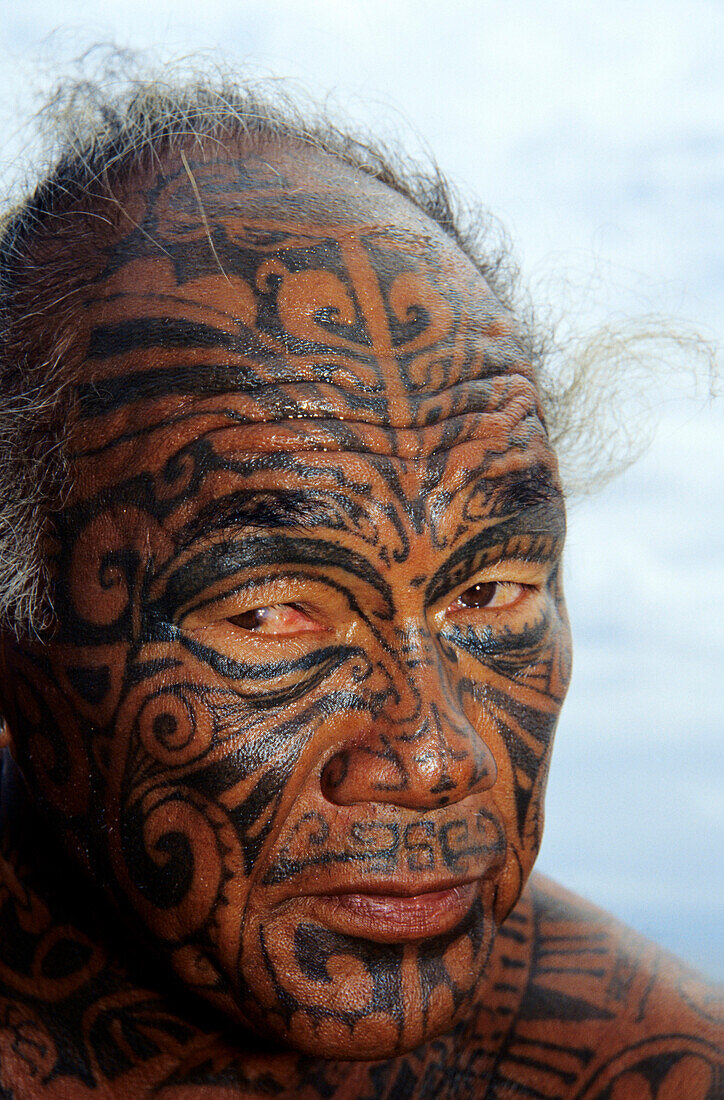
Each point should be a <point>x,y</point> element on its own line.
<point>248,620</point>
<point>479,595</point>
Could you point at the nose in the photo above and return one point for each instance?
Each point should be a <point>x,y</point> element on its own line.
<point>419,751</point>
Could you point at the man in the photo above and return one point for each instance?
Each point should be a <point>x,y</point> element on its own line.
<point>285,646</point>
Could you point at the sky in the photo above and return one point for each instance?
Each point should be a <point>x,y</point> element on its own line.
<point>594,132</point>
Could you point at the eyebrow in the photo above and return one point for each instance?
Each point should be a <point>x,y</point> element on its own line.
<point>285,510</point>
<point>220,561</point>
<point>541,526</point>
<point>527,488</point>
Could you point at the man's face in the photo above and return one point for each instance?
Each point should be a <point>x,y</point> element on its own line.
<point>311,645</point>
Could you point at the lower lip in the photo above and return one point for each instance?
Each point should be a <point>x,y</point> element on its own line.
<point>394,919</point>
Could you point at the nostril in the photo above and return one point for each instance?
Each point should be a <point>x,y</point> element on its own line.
<point>334,773</point>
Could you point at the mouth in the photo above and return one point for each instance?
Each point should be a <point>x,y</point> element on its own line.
<point>394,918</point>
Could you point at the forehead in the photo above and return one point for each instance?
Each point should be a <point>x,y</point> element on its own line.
<point>277,301</point>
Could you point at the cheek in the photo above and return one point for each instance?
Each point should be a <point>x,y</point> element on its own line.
<point>517,716</point>
<point>174,855</point>
<point>200,778</point>
<point>184,797</point>
<point>48,743</point>
<point>164,782</point>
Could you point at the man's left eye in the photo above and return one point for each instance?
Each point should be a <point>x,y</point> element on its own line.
<point>279,618</point>
<point>490,595</point>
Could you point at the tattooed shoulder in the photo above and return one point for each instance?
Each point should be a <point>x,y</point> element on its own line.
<point>607,1014</point>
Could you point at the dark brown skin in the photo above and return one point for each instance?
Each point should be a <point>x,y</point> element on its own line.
<point>310,652</point>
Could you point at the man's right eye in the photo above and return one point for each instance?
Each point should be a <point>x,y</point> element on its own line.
<point>279,618</point>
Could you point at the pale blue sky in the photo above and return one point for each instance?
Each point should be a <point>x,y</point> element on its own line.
<point>594,131</point>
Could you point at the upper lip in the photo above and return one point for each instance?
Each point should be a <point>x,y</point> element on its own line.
<point>337,861</point>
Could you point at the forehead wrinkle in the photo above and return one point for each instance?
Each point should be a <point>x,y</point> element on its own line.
<point>103,396</point>
<point>392,416</point>
<point>514,436</point>
<point>117,408</point>
<point>401,440</point>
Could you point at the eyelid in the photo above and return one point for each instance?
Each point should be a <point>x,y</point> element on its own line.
<point>524,570</point>
<point>246,596</point>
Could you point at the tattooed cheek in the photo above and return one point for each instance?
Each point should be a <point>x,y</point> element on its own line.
<point>489,644</point>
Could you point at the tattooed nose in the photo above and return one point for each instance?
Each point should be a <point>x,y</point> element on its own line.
<point>440,761</point>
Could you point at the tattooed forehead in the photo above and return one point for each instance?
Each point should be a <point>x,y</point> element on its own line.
<point>307,310</point>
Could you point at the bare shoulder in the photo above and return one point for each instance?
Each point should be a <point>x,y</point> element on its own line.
<point>605,1013</point>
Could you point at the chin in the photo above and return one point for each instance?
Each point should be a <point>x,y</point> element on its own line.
<point>372,1037</point>
<point>336,996</point>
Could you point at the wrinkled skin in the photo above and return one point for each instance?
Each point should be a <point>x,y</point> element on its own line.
<point>311,644</point>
